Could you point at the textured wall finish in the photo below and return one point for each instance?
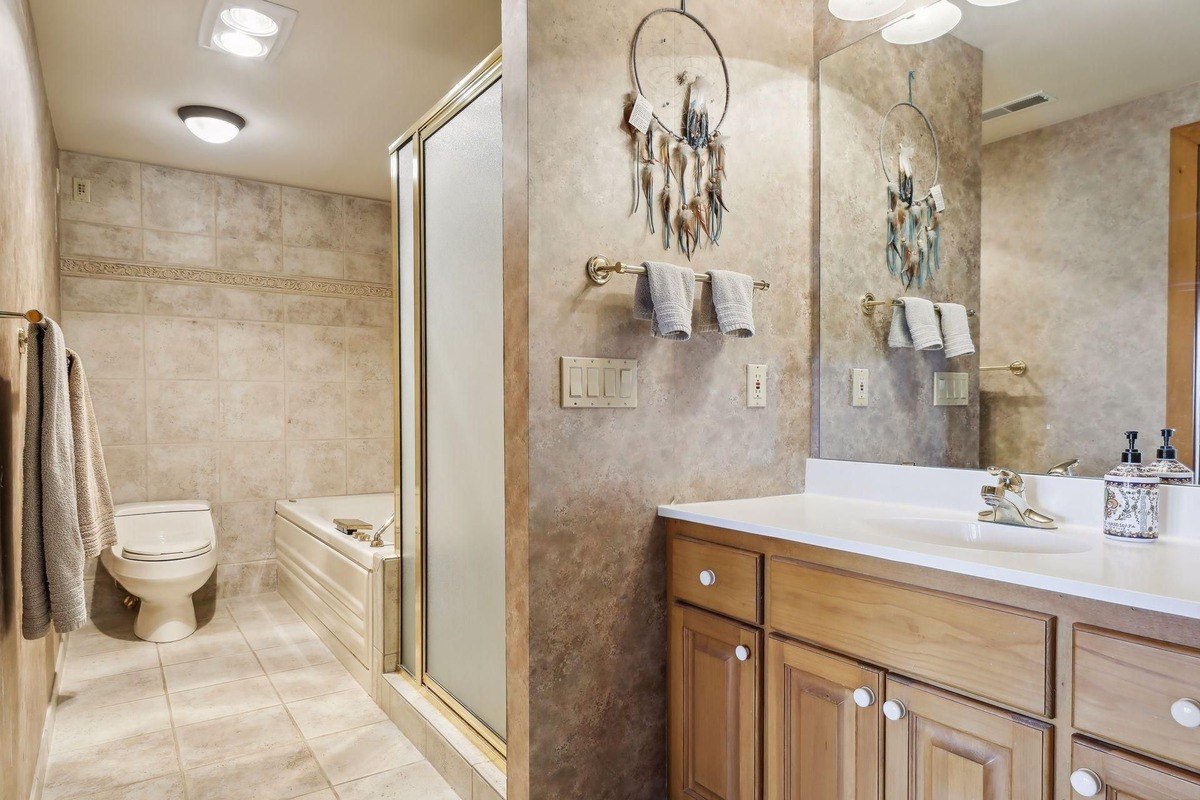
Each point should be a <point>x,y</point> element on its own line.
<point>858,85</point>
<point>29,271</point>
<point>1075,224</point>
<point>596,637</point>
<point>219,389</point>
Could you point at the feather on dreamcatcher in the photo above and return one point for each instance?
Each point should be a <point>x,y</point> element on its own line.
<point>690,205</point>
<point>913,222</point>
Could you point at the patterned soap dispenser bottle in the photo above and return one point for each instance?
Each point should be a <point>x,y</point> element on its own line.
<point>1170,470</point>
<point>1131,497</point>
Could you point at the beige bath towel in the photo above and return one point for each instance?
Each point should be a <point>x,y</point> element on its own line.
<point>51,546</point>
<point>96,524</point>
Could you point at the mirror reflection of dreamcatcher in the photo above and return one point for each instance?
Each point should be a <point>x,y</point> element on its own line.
<point>681,79</point>
<point>914,219</point>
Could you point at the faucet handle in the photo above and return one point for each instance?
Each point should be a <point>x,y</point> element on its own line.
<point>1008,479</point>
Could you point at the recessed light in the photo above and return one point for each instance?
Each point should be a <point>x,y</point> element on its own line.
<point>240,44</point>
<point>247,20</point>
<point>210,124</point>
<point>859,10</point>
<point>924,25</point>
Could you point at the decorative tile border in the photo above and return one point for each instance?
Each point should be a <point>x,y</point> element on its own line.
<point>245,280</point>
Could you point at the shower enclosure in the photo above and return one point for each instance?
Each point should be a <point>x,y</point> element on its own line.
<point>450,447</point>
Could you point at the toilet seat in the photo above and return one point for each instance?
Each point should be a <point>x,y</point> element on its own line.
<point>158,550</point>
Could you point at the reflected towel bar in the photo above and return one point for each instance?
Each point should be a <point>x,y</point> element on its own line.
<point>1018,367</point>
<point>31,316</point>
<point>869,304</point>
<point>600,269</point>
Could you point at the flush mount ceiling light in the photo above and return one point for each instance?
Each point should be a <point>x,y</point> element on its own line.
<point>924,25</point>
<point>251,29</point>
<point>859,10</point>
<point>212,125</point>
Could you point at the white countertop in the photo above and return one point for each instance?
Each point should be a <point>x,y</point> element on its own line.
<point>1162,576</point>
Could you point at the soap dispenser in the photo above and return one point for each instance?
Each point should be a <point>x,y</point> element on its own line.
<point>1170,470</point>
<point>1131,497</point>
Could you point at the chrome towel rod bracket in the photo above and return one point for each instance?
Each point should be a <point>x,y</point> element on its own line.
<point>600,269</point>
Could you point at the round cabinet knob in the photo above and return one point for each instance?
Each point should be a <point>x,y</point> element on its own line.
<point>894,710</point>
<point>1186,712</point>
<point>1086,783</point>
<point>741,652</point>
<point>707,577</point>
<point>864,697</point>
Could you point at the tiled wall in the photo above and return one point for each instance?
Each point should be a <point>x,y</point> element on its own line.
<point>207,389</point>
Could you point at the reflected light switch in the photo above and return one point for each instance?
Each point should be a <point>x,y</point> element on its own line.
<point>598,382</point>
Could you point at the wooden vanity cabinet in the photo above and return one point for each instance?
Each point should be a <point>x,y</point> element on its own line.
<point>1122,776</point>
<point>713,705</point>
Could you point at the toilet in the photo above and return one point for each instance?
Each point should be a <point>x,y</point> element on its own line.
<point>165,551</point>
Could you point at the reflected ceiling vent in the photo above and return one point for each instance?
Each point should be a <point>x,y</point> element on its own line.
<point>1012,107</point>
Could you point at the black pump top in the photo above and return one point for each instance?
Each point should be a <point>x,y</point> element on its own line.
<point>1167,450</point>
<point>1132,455</point>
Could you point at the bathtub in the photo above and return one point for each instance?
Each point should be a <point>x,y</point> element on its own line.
<point>347,591</point>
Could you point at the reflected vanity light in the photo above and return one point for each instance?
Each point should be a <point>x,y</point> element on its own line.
<point>924,25</point>
<point>860,10</point>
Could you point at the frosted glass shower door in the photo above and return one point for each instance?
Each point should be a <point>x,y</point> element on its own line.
<point>464,414</point>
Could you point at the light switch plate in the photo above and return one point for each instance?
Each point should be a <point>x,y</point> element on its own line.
<point>756,385</point>
<point>951,388</point>
<point>598,382</point>
<point>860,387</point>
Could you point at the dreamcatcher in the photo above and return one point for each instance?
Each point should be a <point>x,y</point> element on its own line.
<point>913,222</point>
<point>687,161</point>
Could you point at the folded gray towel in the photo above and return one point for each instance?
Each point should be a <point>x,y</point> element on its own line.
<point>52,557</point>
<point>665,295</point>
<point>706,312</point>
<point>97,527</point>
<point>956,329</point>
<point>915,324</point>
<point>733,298</point>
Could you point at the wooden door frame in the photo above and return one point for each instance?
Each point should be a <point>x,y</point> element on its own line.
<point>1183,266</point>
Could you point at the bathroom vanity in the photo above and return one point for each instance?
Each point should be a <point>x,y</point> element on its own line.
<point>816,652</point>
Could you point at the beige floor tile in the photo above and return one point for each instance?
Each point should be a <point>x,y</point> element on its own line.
<point>276,774</point>
<point>301,684</point>
<point>168,787</point>
<point>353,754</point>
<point>264,634</point>
<point>219,638</point>
<point>222,700</point>
<point>230,737</point>
<point>418,781</point>
<point>91,770</point>
<point>80,670</point>
<point>91,640</point>
<point>211,671</point>
<point>111,690</point>
<point>76,727</point>
<point>324,794</point>
<point>340,711</point>
<point>294,656</point>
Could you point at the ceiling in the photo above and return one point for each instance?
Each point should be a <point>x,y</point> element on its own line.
<point>1089,54</point>
<point>351,78</point>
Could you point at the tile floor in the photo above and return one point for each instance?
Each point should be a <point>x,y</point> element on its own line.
<point>250,707</point>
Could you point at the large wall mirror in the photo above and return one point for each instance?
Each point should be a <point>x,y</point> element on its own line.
<point>1064,137</point>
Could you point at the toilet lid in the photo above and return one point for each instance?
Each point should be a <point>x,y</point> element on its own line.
<point>150,545</point>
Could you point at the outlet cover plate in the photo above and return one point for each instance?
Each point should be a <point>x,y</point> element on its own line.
<point>598,382</point>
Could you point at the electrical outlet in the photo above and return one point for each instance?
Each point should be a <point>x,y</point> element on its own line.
<point>860,387</point>
<point>756,385</point>
<point>81,190</point>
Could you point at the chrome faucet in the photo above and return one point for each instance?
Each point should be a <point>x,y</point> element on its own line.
<point>1066,468</point>
<point>1007,502</point>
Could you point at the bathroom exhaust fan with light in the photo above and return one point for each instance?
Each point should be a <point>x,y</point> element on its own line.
<point>1013,106</point>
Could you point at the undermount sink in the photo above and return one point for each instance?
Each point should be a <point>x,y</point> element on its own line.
<point>981,535</point>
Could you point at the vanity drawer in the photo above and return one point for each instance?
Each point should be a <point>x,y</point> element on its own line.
<point>722,579</point>
<point>1125,688</point>
<point>991,651</point>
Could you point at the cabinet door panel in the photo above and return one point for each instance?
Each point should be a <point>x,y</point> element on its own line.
<point>714,707</point>
<point>950,748</point>
<point>1127,777</point>
<point>819,744</point>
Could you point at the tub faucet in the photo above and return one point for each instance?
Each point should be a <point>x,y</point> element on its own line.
<point>377,540</point>
<point>1066,468</point>
<point>1007,503</point>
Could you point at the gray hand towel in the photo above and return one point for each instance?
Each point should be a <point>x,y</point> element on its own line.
<point>733,298</point>
<point>915,324</point>
<point>956,329</point>
<point>51,546</point>
<point>705,320</point>
<point>665,296</point>
<point>96,524</point>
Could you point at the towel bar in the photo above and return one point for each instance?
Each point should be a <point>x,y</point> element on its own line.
<point>600,269</point>
<point>32,316</point>
<point>1018,367</point>
<point>869,303</point>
